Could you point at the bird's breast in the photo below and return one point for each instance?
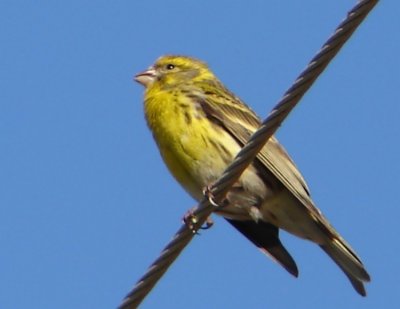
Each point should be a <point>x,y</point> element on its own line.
<point>194,149</point>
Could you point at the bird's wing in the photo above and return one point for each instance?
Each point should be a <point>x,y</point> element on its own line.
<point>228,111</point>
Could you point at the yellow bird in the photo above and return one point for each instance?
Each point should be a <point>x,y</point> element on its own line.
<point>199,127</point>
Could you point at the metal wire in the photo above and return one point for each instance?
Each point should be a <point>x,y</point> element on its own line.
<point>249,152</point>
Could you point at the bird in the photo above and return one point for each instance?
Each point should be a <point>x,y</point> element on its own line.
<point>199,126</point>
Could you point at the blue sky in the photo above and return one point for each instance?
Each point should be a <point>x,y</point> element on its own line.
<point>86,203</point>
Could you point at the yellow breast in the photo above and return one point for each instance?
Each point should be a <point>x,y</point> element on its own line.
<point>195,150</point>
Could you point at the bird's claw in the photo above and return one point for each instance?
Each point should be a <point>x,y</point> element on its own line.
<point>207,192</point>
<point>190,219</point>
<point>208,224</point>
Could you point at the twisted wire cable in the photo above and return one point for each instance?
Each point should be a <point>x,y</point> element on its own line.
<point>247,154</point>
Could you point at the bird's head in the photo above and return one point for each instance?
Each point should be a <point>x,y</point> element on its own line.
<point>171,71</point>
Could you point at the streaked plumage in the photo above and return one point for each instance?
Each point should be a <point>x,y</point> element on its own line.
<point>199,126</point>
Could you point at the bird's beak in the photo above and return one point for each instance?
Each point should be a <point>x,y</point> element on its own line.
<point>147,77</point>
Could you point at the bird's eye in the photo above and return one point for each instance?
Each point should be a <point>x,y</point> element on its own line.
<point>170,66</point>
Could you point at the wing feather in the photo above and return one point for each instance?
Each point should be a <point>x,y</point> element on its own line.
<point>224,108</point>
<point>228,111</point>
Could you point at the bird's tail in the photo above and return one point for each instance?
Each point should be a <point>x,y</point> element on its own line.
<point>266,237</point>
<point>348,261</point>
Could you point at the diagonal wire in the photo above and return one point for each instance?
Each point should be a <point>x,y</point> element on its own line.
<point>247,154</point>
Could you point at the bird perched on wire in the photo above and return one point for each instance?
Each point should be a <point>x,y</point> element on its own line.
<point>199,127</point>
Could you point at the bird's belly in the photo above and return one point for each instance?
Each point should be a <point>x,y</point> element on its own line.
<point>252,199</point>
<point>196,158</point>
<point>179,168</point>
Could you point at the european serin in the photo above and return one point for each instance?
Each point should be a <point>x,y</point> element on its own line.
<point>199,127</point>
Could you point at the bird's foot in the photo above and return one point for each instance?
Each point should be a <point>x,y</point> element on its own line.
<point>211,198</point>
<point>190,219</point>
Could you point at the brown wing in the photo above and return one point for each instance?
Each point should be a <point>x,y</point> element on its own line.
<point>224,108</point>
<point>240,121</point>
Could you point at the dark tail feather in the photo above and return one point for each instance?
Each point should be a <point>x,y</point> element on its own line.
<point>266,237</point>
<point>349,263</point>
